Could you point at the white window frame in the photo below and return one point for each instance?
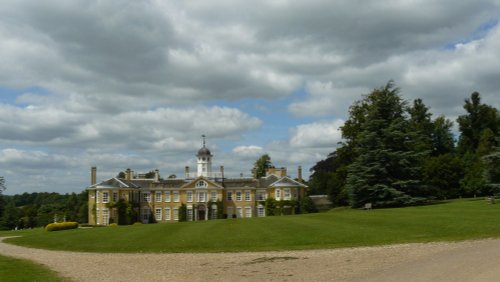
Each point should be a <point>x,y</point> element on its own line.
<point>189,213</point>
<point>98,216</point>
<point>248,212</point>
<point>145,212</point>
<point>176,196</point>
<point>158,214</point>
<point>214,212</point>
<point>229,195</point>
<point>167,214</point>
<point>239,212</point>
<point>115,197</point>
<point>248,196</point>
<point>213,196</point>
<point>261,211</point>
<point>238,196</point>
<point>158,196</point>
<point>98,196</point>
<point>202,196</point>
<point>146,197</point>
<point>261,195</point>
<point>105,216</point>
<point>105,197</point>
<point>277,194</point>
<point>287,195</point>
<point>176,213</point>
<point>167,196</point>
<point>189,196</point>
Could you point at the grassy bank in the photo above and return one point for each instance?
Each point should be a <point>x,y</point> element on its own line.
<point>13,269</point>
<point>455,220</point>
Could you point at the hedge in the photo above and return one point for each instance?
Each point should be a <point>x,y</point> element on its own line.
<point>61,226</point>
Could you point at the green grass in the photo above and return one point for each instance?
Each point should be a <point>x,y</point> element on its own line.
<point>455,220</point>
<point>13,269</point>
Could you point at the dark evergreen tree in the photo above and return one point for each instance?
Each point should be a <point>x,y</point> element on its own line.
<point>442,137</point>
<point>384,171</point>
<point>420,126</point>
<point>492,171</point>
<point>328,177</point>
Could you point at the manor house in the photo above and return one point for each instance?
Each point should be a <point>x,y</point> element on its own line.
<point>203,195</point>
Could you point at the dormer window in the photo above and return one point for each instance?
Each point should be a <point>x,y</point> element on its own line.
<point>201,184</point>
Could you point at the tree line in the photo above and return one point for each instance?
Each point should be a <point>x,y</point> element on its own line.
<point>30,210</point>
<point>394,153</point>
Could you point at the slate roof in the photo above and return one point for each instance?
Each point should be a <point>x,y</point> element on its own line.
<point>114,183</point>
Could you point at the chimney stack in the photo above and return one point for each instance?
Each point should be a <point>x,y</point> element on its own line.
<point>299,173</point>
<point>222,171</point>
<point>157,175</point>
<point>128,174</point>
<point>93,175</point>
<point>186,171</point>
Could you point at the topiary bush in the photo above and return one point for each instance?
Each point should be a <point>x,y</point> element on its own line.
<point>61,226</point>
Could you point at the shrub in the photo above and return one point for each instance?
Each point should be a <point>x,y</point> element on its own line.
<point>113,225</point>
<point>61,226</point>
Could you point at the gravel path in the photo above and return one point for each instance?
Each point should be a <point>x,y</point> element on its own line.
<point>462,261</point>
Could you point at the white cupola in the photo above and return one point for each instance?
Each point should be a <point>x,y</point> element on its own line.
<point>204,162</point>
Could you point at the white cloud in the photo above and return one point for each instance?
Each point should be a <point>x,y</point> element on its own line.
<point>134,83</point>
<point>317,135</point>
<point>250,151</point>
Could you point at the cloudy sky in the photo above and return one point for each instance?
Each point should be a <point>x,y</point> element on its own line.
<point>118,84</point>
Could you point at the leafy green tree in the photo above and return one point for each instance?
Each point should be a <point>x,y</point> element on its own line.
<point>478,118</point>
<point>383,172</point>
<point>183,212</point>
<point>442,174</point>
<point>10,218</point>
<point>486,143</point>
<point>121,174</point>
<point>262,165</point>
<point>307,205</point>
<point>474,180</point>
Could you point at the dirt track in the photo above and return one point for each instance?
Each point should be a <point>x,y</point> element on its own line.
<point>462,261</point>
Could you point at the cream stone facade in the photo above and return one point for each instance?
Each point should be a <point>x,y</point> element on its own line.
<point>205,195</point>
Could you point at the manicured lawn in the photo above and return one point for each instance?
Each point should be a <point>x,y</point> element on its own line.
<point>455,220</point>
<point>13,269</point>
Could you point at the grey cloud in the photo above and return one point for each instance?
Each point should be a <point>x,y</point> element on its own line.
<point>126,81</point>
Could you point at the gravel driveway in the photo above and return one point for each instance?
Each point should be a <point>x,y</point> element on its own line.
<point>462,261</point>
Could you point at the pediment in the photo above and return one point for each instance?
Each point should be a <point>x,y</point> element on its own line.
<point>287,182</point>
<point>197,183</point>
<point>113,183</point>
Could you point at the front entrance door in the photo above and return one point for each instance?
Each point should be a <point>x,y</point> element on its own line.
<point>201,214</point>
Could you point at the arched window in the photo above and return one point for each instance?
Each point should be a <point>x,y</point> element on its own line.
<point>201,184</point>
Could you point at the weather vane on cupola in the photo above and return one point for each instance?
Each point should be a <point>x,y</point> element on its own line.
<point>203,136</point>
